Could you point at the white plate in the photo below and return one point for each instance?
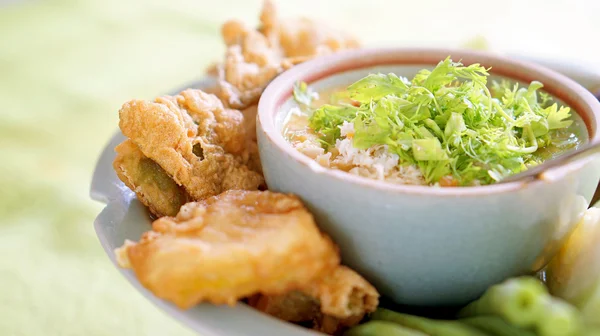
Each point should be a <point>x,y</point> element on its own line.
<point>124,217</point>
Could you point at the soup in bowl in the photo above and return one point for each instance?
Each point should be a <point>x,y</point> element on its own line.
<point>443,128</point>
<point>397,152</point>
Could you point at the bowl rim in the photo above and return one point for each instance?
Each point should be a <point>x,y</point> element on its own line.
<point>558,85</point>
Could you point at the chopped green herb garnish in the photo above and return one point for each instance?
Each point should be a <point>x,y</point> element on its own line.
<point>446,121</point>
<point>303,94</point>
<point>328,119</point>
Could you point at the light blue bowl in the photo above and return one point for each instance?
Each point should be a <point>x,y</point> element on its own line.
<point>422,245</point>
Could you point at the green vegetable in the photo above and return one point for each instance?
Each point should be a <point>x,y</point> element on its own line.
<point>556,119</point>
<point>165,195</point>
<point>382,328</point>
<point>447,122</point>
<point>428,326</point>
<point>376,86</point>
<point>525,303</point>
<point>520,301</point>
<point>303,94</point>
<point>559,319</point>
<point>574,273</point>
<point>428,149</point>
<point>328,119</point>
<point>496,326</point>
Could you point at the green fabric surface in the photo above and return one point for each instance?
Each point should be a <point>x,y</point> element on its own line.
<point>66,66</point>
<point>65,69</point>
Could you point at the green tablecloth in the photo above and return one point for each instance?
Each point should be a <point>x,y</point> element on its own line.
<point>66,66</point>
<point>65,69</point>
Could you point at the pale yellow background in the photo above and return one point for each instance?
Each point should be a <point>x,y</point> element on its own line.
<point>67,66</point>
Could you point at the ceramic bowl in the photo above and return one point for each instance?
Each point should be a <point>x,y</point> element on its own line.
<point>422,245</point>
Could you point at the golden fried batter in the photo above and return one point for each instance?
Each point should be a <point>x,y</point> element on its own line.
<point>152,185</point>
<point>294,306</point>
<point>255,56</point>
<point>331,303</point>
<point>199,143</point>
<point>250,121</point>
<point>241,81</point>
<point>344,293</point>
<point>231,246</point>
<point>208,112</point>
<point>303,37</point>
<point>251,143</point>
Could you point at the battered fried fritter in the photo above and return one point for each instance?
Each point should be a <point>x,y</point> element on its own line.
<point>330,304</point>
<point>241,81</point>
<point>152,185</point>
<point>250,121</point>
<point>231,246</point>
<point>344,294</point>
<point>252,145</point>
<point>303,38</point>
<point>255,56</point>
<point>200,144</point>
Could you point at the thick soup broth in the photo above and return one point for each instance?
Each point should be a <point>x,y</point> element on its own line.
<point>337,148</point>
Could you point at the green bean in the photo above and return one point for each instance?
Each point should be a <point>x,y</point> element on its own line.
<point>428,326</point>
<point>382,328</point>
<point>496,326</point>
<point>519,301</point>
<point>559,319</point>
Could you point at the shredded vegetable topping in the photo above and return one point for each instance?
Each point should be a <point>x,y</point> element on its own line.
<point>446,122</point>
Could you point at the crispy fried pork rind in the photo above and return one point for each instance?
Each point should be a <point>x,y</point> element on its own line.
<point>229,247</point>
<point>255,56</point>
<point>152,185</point>
<point>198,142</point>
<point>330,304</point>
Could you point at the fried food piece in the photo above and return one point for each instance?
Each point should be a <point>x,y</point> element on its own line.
<point>231,246</point>
<point>343,293</point>
<point>250,125</point>
<point>250,121</point>
<point>255,56</point>
<point>199,143</point>
<point>241,81</point>
<point>331,303</point>
<point>152,185</point>
<point>304,38</point>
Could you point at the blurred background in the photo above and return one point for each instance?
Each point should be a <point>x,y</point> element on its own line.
<point>66,66</point>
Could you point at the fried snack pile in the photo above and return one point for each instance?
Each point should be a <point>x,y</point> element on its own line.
<point>196,141</point>
<point>206,145</point>
<point>231,246</point>
<point>193,160</point>
<point>255,56</point>
<point>332,303</point>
